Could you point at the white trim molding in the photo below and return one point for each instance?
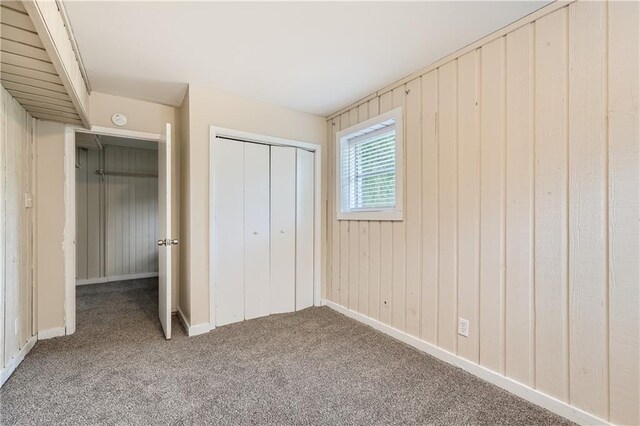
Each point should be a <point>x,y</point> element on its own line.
<point>193,330</point>
<point>52,332</point>
<point>69,234</point>
<point>69,239</point>
<point>101,280</point>
<point>532,395</point>
<point>14,362</point>
<point>123,133</point>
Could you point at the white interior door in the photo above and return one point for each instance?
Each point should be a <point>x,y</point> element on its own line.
<point>166,241</point>
<point>304,228</point>
<point>256,230</point>
<point>283,229</point>
<point>228,241</point>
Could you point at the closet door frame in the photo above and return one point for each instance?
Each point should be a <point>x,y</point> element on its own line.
<point>240,136</point>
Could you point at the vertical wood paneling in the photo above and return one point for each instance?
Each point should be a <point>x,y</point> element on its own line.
<point>399,273</point>
<point>429,299</point>
<point>3,219</point>
<point>551,214</point>
<point>624,205</point>
<point>528,209</point>
<point>11,180</point>
<point>413,212</point>
<point>354,243</point>
<point>588,234</point>
<point>126,217</point>
<point>140,209</point>
<point>469,200</point>
<point>82,239</point>
<point>363,243</point>
<point>519,199</point>
<point>386,245</point>
<point>95,216</point>
<point>374,245</point>
<point>492,186</point>
<point>344,241</point>
<point>130,212</point>
<point>109,159</point>
<point>447,205</point>
<point>16,225</point>
<point>26,231</point>
<point>334,242</point>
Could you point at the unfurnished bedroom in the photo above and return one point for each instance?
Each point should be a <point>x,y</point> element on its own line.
<point>320,213</point>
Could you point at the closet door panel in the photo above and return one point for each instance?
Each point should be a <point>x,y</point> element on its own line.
<point>228,231</point>
<point>256,230</point>
<point>304,228</point>
<point>283,230</point>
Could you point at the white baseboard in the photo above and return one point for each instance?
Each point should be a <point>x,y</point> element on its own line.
<point>532,395</point>
<point>51,333</point>
<point>193,330</point>
<point>14,362</point>
<point>101,280</point>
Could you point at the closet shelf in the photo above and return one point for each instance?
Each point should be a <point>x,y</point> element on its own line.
<point>103,172</point>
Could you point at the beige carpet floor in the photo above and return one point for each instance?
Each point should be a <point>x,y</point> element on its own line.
<point>310,367</point>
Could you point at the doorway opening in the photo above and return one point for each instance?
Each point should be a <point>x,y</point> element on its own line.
<point>118,236</point>
<point>116,190</point>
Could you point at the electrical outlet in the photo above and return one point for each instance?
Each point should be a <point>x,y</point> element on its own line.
<point>463,327</point>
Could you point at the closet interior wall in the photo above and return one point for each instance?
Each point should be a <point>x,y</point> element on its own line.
<point>116,215</point>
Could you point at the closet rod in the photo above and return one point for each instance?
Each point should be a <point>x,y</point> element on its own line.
<point>103,172</point>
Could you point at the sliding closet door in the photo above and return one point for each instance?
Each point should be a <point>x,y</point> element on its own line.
<point>256,230</point>
<point>304,229</point>
<point>228,187</point>
<point>283,229</point>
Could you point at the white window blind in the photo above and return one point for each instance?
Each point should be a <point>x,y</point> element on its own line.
<point>369,166</point>
<point>369,181</point>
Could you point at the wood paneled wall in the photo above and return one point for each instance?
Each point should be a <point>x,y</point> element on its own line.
<point>90,215</point>
<point>116,216</point>
<point>132,209</point>
<point>522,208</point>
<point>16,227</point>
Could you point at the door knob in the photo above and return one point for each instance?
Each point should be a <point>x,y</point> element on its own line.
<point>174,242</point>
<point>161,242</point>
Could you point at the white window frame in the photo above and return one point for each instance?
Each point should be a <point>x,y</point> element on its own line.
<point>385,214</point>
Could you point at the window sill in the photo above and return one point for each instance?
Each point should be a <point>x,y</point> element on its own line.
<point>395,215</point>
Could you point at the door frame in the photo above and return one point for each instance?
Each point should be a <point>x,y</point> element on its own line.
<point>241,136</point>
<point>69,238</point>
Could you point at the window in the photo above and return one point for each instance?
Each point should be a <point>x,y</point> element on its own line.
<point>369,164</point>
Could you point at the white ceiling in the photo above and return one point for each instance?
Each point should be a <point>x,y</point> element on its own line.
<point>314,57</point>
